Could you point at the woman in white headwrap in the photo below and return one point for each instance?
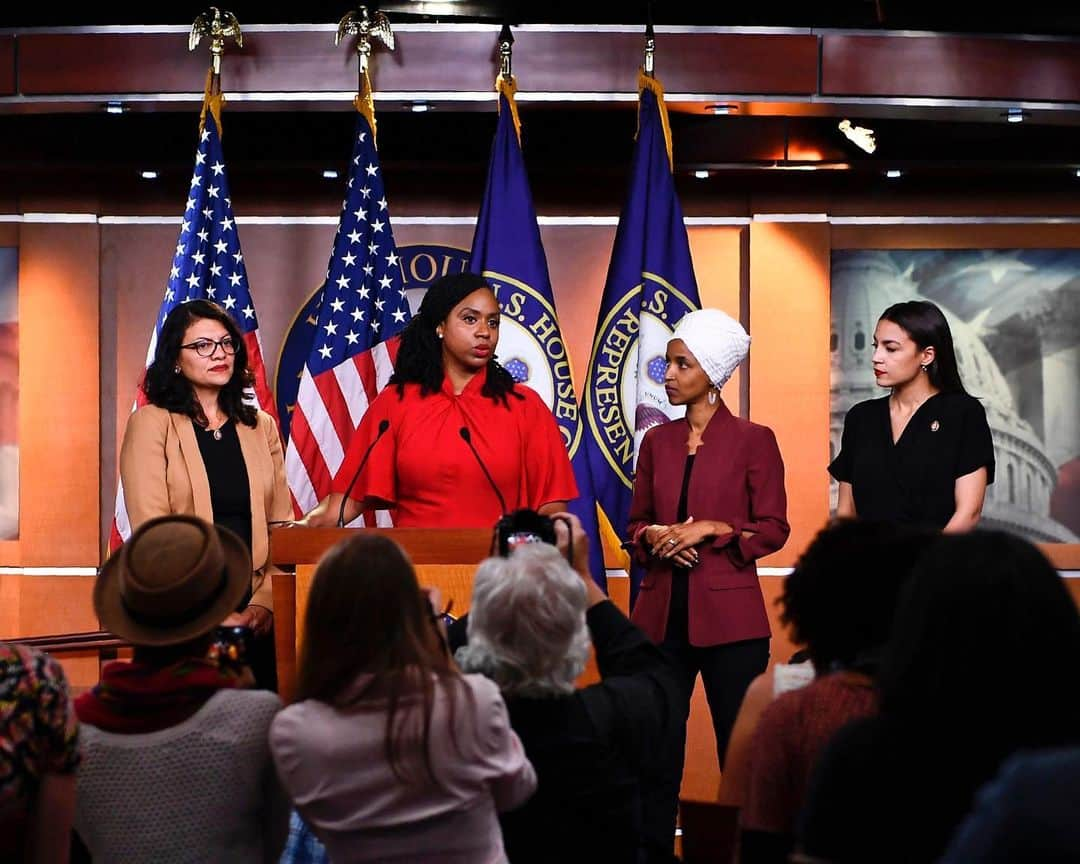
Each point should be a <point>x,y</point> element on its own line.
<point>708,502</point>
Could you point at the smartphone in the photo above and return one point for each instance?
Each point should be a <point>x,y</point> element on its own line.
<point>230,644</point>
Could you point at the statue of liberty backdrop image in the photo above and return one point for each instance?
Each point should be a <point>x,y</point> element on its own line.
<point>1015,320</point>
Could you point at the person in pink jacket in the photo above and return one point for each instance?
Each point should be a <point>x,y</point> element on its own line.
<point>390,753</point>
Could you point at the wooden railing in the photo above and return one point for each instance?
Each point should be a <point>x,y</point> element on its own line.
<point>105,644</point>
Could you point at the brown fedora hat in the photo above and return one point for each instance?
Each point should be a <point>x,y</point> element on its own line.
<point>177,578</point>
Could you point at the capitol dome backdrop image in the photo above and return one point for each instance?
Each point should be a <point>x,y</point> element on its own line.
<point>1015,320</point>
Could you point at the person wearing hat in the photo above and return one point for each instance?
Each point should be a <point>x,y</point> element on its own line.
<point>708,501</point>
<point>176,759</point>
<point>452,424</point>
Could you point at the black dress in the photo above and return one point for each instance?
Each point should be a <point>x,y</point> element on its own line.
<point>913,480</point>
<point>230,500</point>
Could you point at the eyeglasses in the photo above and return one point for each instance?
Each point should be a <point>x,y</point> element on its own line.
<point>207,347</point>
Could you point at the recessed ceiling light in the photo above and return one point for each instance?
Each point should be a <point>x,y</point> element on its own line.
<point>114,108</point>
<point>723,108</point>
<point>894,173</point>
<point>702,174</point>
<point>330,174</point>
<point>420,107</point>
<point>148,175</point>
<point>1015,115</point>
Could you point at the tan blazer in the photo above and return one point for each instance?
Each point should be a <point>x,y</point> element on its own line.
<point>163,472</point>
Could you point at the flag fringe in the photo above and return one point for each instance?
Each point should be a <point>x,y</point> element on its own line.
<point>648,82</point>
<point>214,102</point>
<point>364,102</point>
<point>507,86</point>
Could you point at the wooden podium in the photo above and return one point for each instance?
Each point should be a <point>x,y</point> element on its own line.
<point>445,558</point>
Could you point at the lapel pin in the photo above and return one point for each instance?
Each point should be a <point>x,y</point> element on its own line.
<point>935,426</point>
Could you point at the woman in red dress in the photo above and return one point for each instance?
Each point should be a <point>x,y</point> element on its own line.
<point>447,396</point>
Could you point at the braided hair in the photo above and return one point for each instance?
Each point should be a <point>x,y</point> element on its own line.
<point>419,359</point>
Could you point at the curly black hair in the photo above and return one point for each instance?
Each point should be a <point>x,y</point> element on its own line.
<point>841,597</point>
<point>419,358</point>
<point>167,389</point>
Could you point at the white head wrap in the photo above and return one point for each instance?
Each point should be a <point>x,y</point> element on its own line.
<point>718,342</point>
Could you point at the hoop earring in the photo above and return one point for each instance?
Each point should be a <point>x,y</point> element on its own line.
<point>712,397</point>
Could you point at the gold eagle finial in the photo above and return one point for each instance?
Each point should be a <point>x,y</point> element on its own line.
<point>218,26</point>
<point>366,27</point>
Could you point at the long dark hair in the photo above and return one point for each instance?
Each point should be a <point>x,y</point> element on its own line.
<point>419,358</point>
<point>983,654</point>
<point>173,392</point>
<point>367,615</point>
<point>841,597</point>
<point>926,325</point>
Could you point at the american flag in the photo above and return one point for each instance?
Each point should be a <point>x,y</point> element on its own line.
<point>207,265</point>
<point>362,311</point>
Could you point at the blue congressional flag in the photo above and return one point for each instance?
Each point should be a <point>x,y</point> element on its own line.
<point>507,250</point>
<point>361,312</point>
<point>650,286</point>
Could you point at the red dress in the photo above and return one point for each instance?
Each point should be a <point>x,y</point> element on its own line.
<point>424,468</point>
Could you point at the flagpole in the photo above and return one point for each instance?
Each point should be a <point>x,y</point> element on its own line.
<point>366,27</point>
<point>648,66</point>
<point>505,83</point>
<point>219,26</point>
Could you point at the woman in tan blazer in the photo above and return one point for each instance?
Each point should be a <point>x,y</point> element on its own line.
<point>197,448</point>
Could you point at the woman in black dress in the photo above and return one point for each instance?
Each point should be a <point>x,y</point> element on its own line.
<point>924,453</point>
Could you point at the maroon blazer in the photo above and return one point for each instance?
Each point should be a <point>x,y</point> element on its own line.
<point>738,478</point>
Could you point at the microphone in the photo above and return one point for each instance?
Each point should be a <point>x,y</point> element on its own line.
<point>467,438</point>
<point>383,426</point>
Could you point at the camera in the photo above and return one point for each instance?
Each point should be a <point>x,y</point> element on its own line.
<point>229,647</point>
<point>523,526</point>
<point>527,526</point>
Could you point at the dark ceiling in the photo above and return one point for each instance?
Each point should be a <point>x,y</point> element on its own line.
<point>282,153</point>
<point>1048,18</point>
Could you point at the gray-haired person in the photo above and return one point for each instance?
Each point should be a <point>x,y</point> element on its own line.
<point>529,627</point>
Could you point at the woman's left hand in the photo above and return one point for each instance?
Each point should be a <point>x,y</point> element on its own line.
<point>258,619</point>
<point>679,540</point>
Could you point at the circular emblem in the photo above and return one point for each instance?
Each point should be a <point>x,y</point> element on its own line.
<point>625,396</point>
<point>532,350</point>
<point>421,264</point>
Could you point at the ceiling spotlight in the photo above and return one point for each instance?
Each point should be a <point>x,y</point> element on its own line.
<point>702,174</point>
<point>420,107</point>
<point>726,108</point>
<point>114,108</point>
<point>1077,172</point>
<point>894,173</point>
<point>330,174</point>
<point>1015,115</point>
<point>148,175</point>
<point>860,136</point>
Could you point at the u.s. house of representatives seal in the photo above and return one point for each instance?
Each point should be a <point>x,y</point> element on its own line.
<point>625,394</point>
